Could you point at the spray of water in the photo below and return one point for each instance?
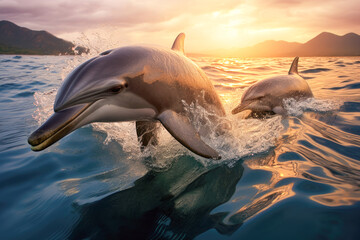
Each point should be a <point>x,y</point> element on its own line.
<point>44,105</point>
<point>297,108</point>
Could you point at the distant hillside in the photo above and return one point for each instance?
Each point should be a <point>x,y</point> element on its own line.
<point>20,40</point>
<point>270,48</point>
<point>328,44</point>
<point>325,44</point>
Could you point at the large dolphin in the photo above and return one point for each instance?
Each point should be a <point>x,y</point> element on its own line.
<point>267,95</point>
<point>134,83</point>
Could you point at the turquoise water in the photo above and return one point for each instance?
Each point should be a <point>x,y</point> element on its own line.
<point>280,178</point>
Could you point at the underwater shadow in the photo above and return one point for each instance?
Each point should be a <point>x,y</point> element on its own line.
<point>173,204</point>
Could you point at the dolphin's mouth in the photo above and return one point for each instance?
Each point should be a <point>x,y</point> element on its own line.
<point>242,106</point>
<point>57,126</point>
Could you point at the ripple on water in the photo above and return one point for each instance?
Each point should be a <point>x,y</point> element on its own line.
<point>290,156</point>
<point>37,83</point>
<point>349,151</point>
<point>348,80</point>
<point>9,61</point>
<point>8,86</point>
<point>23,94</point>
<point>316,70</point>
<point>348,86</point>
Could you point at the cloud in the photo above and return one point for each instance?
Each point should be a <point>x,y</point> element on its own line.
<point>61,16</point>
<point>309,14</point>
<point>209,24</point>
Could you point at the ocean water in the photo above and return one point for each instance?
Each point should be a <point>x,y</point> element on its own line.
<point>296,177</point>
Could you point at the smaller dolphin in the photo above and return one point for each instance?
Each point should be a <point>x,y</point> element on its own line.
<point>267,95</point>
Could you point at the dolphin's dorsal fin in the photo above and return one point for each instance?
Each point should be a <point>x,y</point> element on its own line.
<point>294,66</point>
<point>182,130</point>
<point>178,44</point>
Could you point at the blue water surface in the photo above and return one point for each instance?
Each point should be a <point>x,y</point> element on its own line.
<point>303,185</point>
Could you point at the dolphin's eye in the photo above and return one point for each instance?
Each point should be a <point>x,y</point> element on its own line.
<point>116,89</point>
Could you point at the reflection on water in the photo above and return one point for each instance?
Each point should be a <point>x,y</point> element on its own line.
<point>176,203</point>
<point>278,176</point>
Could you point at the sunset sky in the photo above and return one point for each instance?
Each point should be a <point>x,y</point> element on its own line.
<point>207,24</point>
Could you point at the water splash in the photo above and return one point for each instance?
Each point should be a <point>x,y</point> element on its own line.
<point>158,157</point>
<point>99,40</point>
<point>297,108</point>
<point>246,136</point>
<point>44,102</point>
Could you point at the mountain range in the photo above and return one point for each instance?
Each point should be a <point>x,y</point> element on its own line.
<point>19,40</point>
<point>324,44</point>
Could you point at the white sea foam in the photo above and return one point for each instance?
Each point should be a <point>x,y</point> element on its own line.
<point>297,108</point>
<point>125,134</point>
<point>247,137</point>
<point>44,102</point>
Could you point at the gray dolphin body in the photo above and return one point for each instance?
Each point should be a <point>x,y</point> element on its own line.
<point>134,83</point>
<point>268,94</point>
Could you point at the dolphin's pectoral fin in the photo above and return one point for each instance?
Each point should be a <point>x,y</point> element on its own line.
<point>294,66</point>
<point>182,130</point>
<point>178,44</point>
<point>147,133</point>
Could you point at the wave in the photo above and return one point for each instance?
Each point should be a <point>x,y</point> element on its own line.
<point>348,86</point>
<point>316,70</point>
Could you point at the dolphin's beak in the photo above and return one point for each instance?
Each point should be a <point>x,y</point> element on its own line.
<point>69,102</point>
<point>242,106</point>
<point>60,124</point>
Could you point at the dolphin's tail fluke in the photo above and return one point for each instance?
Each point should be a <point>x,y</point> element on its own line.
<point>294,66</point>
